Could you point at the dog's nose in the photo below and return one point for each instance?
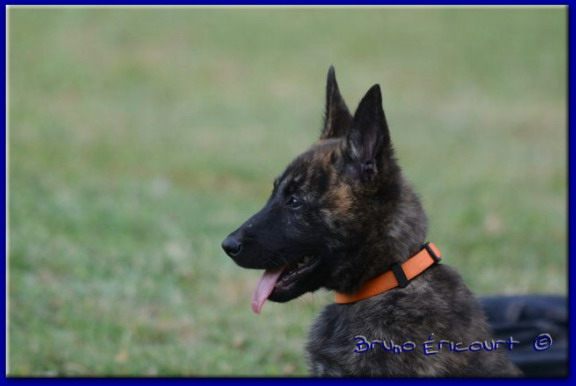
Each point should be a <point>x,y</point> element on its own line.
<point>232,246</point>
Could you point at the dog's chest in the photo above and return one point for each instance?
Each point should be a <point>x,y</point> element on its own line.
<point>327,341</point>
<point>332,344</point>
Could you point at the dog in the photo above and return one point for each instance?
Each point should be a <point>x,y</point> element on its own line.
<point>343,217</point>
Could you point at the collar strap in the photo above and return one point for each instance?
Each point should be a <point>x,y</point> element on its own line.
<point>399,275</point>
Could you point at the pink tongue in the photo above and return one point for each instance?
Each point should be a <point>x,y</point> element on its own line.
<point>264,288</point>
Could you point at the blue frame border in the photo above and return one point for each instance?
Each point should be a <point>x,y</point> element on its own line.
<point>285,381</point>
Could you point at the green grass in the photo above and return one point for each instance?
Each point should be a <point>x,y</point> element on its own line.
<point>140,138</point>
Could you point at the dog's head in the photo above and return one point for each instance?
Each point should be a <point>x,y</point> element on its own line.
<point>334,208</point>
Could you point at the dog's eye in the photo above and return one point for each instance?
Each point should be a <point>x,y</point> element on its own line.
<point>294,203</point>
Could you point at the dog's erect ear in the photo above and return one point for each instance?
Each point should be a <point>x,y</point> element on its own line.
<point>337,118</point>
<point>369,138</point>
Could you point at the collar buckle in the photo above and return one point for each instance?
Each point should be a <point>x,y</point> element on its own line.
<point>432,253</point>
<point>401,278</point>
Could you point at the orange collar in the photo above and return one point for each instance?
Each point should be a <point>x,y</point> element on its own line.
<point>398,276</point>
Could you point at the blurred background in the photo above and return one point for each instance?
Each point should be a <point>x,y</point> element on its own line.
<point>139,138</point>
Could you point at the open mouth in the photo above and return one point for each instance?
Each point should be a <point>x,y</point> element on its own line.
<point>281,279</point>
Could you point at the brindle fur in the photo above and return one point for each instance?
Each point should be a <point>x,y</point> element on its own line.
<point>360,216</point>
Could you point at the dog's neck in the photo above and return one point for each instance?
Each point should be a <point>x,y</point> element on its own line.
<point>392,242</point>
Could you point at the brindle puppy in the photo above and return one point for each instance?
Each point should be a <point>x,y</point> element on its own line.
<point>341,214</point>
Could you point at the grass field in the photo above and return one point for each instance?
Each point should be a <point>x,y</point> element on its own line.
<point>140,138</point>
